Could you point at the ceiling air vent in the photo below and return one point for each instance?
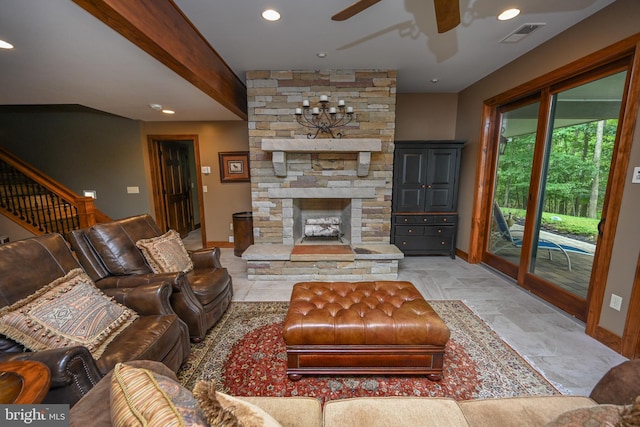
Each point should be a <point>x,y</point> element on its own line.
<point>522,32</point>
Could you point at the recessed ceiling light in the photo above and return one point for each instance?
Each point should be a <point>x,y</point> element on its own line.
<point>434,80</point>
<point>167,111</point>
<point>156,107</point>
<point>5,45</point>
<point>321,55</point>
<point>271,15</point>
<point>509,14</point>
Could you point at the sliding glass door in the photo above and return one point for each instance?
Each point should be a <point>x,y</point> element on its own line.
<point>550,183</point>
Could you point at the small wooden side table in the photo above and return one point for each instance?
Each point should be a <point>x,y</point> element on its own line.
<point>23,381</point>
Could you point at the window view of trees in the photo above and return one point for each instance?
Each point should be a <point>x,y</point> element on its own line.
<point>576,177</point>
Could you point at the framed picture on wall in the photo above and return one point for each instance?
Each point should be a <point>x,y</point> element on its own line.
<point>234,166</point>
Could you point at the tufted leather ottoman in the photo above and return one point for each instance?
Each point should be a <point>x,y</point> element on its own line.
<point>381,327</point>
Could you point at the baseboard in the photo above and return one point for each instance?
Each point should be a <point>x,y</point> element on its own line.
<point>220,244</point>
<point>608,338</point>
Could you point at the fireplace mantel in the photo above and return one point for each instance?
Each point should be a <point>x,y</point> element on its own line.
<point>280,147</point>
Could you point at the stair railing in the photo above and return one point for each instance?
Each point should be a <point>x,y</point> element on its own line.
<point>40,204</point>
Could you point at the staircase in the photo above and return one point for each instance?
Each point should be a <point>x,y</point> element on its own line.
<point>38,203</point>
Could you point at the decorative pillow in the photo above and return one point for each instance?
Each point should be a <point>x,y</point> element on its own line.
<point>166,253</point>
<point>228,411</point>
<point>69,311</point>
<point>600,415</point>
<point>630,416</point>
<point>140,397</point>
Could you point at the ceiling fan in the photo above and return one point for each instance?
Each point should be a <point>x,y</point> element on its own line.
<point>447,12</point>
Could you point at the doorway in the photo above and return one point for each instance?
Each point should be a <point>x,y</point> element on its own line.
<point>174,162</point>
<point>550,184</point>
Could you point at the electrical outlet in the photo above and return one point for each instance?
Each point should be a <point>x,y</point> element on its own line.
<point>616,302</point>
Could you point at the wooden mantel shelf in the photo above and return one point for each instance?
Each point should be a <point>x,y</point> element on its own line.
<point>280,147</point>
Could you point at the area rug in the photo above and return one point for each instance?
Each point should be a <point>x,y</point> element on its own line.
<point>245,355</point>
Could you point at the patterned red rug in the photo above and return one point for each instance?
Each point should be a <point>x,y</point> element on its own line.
<point>245,355</point>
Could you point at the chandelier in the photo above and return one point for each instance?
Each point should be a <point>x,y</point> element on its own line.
<point>324,119</point>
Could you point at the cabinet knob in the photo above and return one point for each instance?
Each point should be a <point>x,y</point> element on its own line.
<point>425,219</point>
<point>406,220</point>
<point>439,230</point>
<point>443,243</point>
<point>410,230</point>
<point>404,243</point>
<point>444,219</point>
<point>423,186</point>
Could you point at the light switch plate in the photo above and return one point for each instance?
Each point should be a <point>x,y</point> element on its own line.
<point>133,190</point>
<point>616,302</point>
<point>636,175</point>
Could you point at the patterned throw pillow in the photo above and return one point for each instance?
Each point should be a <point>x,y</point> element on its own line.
<point>67,312</point>
<point>166,253</point>
<point>224,410</point>
<point>140,397</point>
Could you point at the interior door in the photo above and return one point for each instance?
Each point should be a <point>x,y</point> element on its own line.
<point>176,186</point>
<point>550,187</point>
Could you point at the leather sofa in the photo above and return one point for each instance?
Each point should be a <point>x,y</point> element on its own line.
<point>109,255</point>
<point>157,334</point>
<point>616,388</point>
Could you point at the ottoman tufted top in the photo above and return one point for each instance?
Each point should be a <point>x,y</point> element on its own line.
<point>361,313</point>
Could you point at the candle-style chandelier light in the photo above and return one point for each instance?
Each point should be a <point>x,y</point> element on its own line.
<point>324,119</point>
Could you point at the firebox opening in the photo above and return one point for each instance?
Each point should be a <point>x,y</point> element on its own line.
<point>322,221</point>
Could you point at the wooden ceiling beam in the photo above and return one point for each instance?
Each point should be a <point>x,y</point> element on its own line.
<point>161,29</point>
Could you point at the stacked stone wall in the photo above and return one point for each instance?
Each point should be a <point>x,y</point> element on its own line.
<point>273,97</point>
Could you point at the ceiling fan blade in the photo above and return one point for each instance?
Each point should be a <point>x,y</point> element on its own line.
<point>355,8</point>
<point>447,14</point>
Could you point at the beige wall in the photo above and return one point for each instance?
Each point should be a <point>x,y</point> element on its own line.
<point>221,200</point>
<point>421,116</point>
<point>614,23</point>
<point>83,150</point>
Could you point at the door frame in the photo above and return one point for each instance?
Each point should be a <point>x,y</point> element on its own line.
<point>153,144</point>
<point>488,149</point>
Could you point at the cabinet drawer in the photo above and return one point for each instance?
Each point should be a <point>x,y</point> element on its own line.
<point>414,219</point>
<point>443,219</point>
<point>444,243</point>
<point>444,230</point>
<point>408,230</point>
<point>410,243</point>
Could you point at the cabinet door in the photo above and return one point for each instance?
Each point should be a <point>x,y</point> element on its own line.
<point>442,165</point>
<point>409,180</point>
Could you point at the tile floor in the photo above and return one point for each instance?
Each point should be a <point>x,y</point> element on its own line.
<point>554,343</point>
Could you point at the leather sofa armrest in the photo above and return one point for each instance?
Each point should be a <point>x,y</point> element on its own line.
<point>72,367</point>
<point>620,385</point>
<point>147,299</point>
<point>135,280</point>
<point>206,258</point>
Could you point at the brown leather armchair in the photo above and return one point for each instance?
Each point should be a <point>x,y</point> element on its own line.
<point>157,334</point>
<point>109,255</point>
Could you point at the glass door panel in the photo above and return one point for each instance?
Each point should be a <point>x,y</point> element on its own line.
<point>577,158</point>
<point>512,180</point>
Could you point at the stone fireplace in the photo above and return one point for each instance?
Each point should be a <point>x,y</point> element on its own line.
<point>294,179</point>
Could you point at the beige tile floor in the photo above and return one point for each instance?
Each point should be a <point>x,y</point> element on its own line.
<point>554,343</point>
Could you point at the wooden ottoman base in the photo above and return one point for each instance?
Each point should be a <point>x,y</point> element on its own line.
<point>365,360</point>
<point>362,328</point>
